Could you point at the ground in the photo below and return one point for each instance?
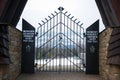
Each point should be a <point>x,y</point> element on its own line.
<point>58,76</point>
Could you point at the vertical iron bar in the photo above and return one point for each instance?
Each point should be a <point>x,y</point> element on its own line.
<point>37,53</point>
<point>79,40</point>
<point>83,51</point>
<point>67,43</point>
<point>47,47</point>
<point>50,46</point>
<point>41,49</point>
<point>70,44</point>
<point>78,48</point>
<point>53,43</point>
<point>44,48</point>
<point>81,48</point>
<point>75,48</point>
<point>77,28</point>
<point>64,65</point>
<point>74,52</point>
<point>60,41</point>
<point>56,44</point>
<point>38,48</point>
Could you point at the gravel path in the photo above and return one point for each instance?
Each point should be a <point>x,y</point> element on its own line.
<point>57,76</point>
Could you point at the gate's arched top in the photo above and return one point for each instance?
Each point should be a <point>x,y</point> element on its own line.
<point>64,14</point>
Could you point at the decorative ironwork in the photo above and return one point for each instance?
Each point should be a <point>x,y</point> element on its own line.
<point>60,43</point>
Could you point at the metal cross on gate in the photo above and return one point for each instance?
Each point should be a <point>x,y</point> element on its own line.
<point>60,43</point>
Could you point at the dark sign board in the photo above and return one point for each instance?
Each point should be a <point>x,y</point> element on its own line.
<point>28,47</point>
<point>92,49</point>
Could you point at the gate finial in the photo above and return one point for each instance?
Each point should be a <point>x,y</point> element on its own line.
<point>60,8</point>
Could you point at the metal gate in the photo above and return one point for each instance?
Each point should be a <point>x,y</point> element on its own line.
<point>60,44</point>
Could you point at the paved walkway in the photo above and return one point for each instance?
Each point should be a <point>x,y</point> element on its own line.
<point>57,76</point>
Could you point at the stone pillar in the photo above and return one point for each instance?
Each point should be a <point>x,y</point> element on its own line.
<point>15,50</point>
<point>104,38</point>
<point>10,71</point>
<point>107,72</point>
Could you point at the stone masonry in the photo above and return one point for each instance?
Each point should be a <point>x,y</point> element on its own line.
<point>12,71</point>
<point>107,72</point>
<point>15,48</point>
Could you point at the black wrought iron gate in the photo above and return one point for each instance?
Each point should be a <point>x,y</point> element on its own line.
<point>60,44</point>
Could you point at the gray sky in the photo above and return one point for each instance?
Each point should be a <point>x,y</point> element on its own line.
<point>85,11</point>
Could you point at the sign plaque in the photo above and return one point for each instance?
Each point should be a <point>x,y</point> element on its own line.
<point>92,49</point>
<point>28,47</point>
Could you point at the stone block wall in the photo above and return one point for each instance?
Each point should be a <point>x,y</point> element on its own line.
<point>107,72</point>
<point>15,48</point>
<point>12,71</point>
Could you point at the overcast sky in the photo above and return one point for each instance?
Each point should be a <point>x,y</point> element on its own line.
<point>85,11</point>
